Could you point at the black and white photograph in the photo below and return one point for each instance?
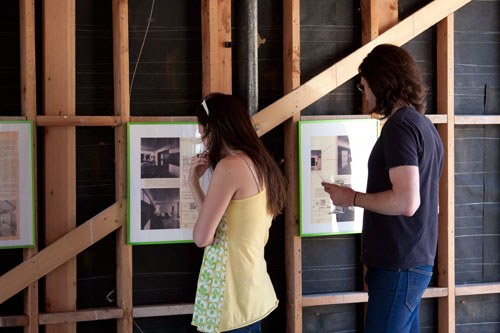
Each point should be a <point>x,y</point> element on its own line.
<point>160,208</point>
<point>316,160</point>
<point>9,228</point>
<point>161,205</point>
<point>344,158</point>
<point>335,152</point>
<point>160,157</point>
<point>16,185</point>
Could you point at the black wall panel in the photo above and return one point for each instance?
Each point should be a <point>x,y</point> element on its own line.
<point>10,93</point>
<point>167,81</point>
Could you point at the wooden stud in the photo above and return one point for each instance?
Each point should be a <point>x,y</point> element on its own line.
<point>122,110</point>
<point>210,37</point>
<point>216,58</point>
<point>163,119</point>
<point>28,109</point>
<point>477,120</point>
<point>369,20</point>
<point>387,15</point>
<point>113,121</point>
<point>27,56</point>
<point>377,16</point>
<point>80,315</point>
<point>345,69</point>
<point>437,118</point>
<point>62,250</point>
<point>293,243</point>
<point>64,121</point>
<point>12,118</point>
<point>333,117</point>
<point>446,233</point>
<point>146,311</point>
<point>224,58</point>
<point>14,321</point>
<point>60,174</point>
<point>477,289</point>
<point>358,297</point>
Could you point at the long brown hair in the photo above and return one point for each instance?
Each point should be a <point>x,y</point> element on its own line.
<point>393,76</point>
<point>228,122</point>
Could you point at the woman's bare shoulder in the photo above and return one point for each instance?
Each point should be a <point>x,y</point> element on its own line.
<point>231,164</point>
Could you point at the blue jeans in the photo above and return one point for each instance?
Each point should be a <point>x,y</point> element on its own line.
<point>394,298</point>
<point>252,328</point>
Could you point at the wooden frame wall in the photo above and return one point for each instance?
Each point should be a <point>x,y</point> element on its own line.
<point>446,240</point>
<point>216,53</point>
<point>59,89</point>
<point>28,109</point>
<point>293,243</point>
<point>122,110</point>
<point>36,265</point>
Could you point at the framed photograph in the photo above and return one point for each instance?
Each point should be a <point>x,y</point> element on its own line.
<point>17,213</point>
<point>334,151</point>
<point>161,206</point>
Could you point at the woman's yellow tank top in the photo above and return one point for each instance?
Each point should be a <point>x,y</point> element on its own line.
<point>234,288</point>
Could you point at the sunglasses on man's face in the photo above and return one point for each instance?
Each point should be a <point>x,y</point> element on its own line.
<point>360,87</point>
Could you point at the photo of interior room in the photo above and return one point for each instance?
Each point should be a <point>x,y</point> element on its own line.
<point>160,208</point>
<point>344,155</point>
<point>8,219</point>
<point>160,158</point>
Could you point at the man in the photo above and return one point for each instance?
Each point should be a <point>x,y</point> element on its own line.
<point>400,222</point>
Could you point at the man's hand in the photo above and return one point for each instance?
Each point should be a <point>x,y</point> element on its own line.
<point>341,195</point>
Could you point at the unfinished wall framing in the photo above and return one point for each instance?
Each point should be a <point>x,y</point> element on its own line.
<point>64,245</point>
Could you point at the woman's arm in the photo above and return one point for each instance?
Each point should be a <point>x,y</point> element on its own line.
<point>199,164</point>
<point>223,184</point>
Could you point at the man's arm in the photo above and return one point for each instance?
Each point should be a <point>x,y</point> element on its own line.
<point>402,199</point>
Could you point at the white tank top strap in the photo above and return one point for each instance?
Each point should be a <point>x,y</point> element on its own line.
<point>251,169</point>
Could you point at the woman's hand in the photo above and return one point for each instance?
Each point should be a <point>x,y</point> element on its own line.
<point>199,164</point>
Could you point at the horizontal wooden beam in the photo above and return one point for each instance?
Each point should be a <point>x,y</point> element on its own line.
<point>435,118</point>
<point>115,120</point>
<point>14,321</point>
<point>12,118</point>
<point>78,121</point>
<point>358,297</point>
<point>145,311</point>
<point>477,289</point>
<point>345,69</point>
<point>477,120</point>
<point>334,298</point>
<point>435,292</point>
<point>80,315</point>
<point>335,117</point>
<point>162,119</point>
<point>438,118</point>
<point>62,250</point>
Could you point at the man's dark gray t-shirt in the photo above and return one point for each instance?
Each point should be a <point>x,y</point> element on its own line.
<point>407,138</point>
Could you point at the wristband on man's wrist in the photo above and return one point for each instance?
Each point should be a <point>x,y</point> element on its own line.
<point>354,200</point>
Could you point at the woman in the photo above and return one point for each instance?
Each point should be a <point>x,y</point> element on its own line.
<point>245,192</point>
<point>401,204</point>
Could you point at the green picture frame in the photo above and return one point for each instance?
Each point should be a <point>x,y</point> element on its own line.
<point>17,197</point>
<point>160,206</point>
<point>334,151</point>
